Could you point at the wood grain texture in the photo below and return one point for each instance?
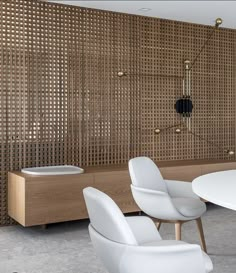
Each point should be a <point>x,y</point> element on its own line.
<point>36,200</point>
<point>39,200</point>
<point>117,185</point>
<point>62,102</point>
<point>56,199</point>
<point>184,173</point>
<point>210,168</point>
<point>201,234</point>
<point>16,197</point>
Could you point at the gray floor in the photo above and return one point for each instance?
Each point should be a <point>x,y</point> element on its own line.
<point>66,248</point>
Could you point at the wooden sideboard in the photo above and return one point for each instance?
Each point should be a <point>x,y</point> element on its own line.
<point>39,200</point>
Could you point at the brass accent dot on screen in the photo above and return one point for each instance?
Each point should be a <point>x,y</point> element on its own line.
<point>121,74</point>
<point>187,64</point>
<point>219,21</point>
<point>157,131</point>
<point>178,131</point>
<point>229,152</point>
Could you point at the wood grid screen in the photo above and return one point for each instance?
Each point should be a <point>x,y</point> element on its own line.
<point>62,102</point>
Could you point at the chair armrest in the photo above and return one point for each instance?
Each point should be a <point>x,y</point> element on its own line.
<point>163,259</point>
<point>125,258</point>
<point>143,228</point>
<point>180,189</point>
<point>156,204</point>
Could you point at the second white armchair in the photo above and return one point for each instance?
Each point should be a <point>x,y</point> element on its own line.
<point>165,200</point>
<point>134,245</point>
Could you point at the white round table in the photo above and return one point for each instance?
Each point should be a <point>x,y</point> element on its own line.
<point>218,188</point>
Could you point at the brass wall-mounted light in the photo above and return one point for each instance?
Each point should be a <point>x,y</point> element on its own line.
<point>218,22</point>
<point>184,105</point>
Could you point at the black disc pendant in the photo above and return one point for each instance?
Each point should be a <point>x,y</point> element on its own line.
<point>184,106</point>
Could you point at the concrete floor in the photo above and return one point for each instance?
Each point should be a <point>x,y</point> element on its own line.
<point>66,247</point>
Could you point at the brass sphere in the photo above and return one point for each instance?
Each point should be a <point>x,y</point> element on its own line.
<point>229,152</point>
<point>121,74</point>
<point>157,131</point>
<point>218,21</point>
<point>177,130</point>
<point>187,64</point>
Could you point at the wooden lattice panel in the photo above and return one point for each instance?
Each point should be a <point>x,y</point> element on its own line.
<point>62,102</point>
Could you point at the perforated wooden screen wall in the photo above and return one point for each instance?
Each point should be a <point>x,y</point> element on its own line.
<point>62,102</point>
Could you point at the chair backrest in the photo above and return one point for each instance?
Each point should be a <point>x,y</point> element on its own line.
<point>106,218</point>
<point>144,173</point>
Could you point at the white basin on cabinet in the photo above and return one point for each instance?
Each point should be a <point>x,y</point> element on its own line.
<point>53,170</point>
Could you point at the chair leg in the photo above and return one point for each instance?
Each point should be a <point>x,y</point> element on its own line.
<point>202,238</point>
<point>178,231</point>
<point>158,224</point>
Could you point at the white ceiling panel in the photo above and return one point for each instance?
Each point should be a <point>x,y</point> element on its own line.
<point>200,12</point>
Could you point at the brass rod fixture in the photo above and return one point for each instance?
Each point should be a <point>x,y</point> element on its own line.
<point>184,105</point>
<point>124,74</point>
<point>228,151</point>
<point>218,22</point>
<point>157,131</point>
<point>185,126</point>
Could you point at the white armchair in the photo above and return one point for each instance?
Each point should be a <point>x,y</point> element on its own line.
<point>133,244</point>
<point>165,200</point>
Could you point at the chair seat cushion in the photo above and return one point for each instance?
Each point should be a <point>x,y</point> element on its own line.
<point>189,207</point>
<point>207,260</point>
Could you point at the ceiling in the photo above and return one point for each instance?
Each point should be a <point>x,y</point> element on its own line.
<point>200,12</point>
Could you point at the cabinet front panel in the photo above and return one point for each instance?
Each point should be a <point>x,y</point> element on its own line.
<point>117,186</point>
<point>56,201</point>
<point>210,168</point>
<point>184,173</point>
